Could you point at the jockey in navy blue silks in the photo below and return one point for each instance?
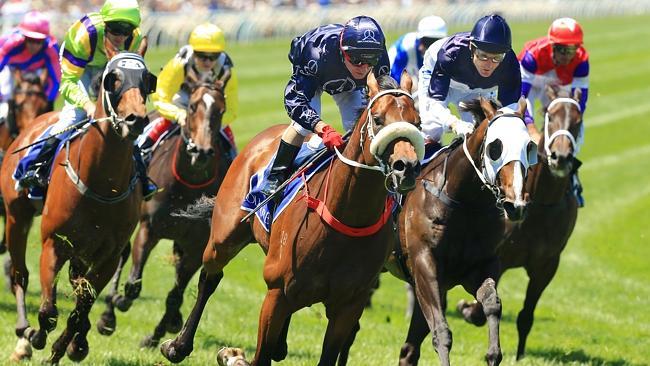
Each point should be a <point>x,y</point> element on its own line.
<point>465,66</point>
<point>335,59</point>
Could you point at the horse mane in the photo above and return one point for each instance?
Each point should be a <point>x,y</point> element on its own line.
<point>474,107</point>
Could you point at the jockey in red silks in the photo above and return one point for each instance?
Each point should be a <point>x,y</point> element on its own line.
<point>28,48</point>
<point>559,59</point>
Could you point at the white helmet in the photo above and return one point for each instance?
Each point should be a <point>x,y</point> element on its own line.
<point>432,27</point>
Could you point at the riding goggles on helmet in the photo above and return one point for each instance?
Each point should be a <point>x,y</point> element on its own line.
<point>484,56</point>
<point>208,56</point>
<point>120,28</point>
<point>565,50</point>
<point>360,56</point>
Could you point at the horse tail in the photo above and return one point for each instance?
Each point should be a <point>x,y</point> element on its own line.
<point>201,209</point>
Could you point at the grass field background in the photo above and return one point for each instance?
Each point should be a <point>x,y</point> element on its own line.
<point>595,312</point>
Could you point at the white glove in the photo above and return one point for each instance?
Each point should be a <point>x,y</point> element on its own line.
<point>461,127</point>
<point>181,116</point>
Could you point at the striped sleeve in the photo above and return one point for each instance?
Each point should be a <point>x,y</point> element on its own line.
<point>78,50</point>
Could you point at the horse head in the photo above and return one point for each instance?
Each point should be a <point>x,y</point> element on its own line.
<point>206,106</point>
<point>506,153</point>
<point>562,126</point>
<point>29,96</point>
<point>389,132</point>
<point>125,84</point>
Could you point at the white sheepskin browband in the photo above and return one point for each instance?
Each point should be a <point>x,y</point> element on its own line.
<point>396,130</point>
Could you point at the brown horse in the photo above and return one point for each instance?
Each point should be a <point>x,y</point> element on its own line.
<point>90,210</point>
<point>451,224</point>
<point>308,260</point>
<point>28,101</point>
<point>537,242</point>
<point>185,167</point>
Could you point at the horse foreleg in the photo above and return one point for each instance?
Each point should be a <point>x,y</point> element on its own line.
<point>273,316</point>
<point>489,299</point>
<point>144,243</point>
<point>107,322</point>
<point>418,330</point>
<point>172,320</point>
<point>180,347</point>
<point>540,276</point>
<point>341,329</point>
<point>281,348</point>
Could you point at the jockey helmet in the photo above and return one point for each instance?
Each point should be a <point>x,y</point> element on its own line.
<point>432,27</point>
<point>492,34</point>
<point>121,11</point>
<point>565,31</point>
<point>35,25</point>
<point>207,37</point>
<point>362,40</point>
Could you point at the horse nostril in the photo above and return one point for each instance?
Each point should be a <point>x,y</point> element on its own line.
<point>553,155</point>
<point>399,166</point>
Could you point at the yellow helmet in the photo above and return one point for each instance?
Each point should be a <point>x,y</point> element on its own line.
<point>207,37</point>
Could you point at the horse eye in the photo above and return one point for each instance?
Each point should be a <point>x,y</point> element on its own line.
<point>192,108</point>
<point>377,120</point>
<point>495,148</point>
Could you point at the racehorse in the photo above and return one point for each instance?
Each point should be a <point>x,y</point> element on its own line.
<point>28,101</point>
<point>537,242</point>
<point>91,207</point>
<point>312,259</point>
<point>185,167</point>
<point>451,223</point>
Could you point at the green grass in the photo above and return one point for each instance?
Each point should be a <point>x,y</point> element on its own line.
<point>593,313</point>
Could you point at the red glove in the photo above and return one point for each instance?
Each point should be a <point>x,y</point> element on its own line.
<point>331,138</point>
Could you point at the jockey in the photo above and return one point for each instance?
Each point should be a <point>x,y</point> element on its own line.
<point>408,51</point>
<point>556,59</point>
<point>335,59</point>
<point>29,48</point>
<point>83,58</point>
<point>465,66</point>
<point>206,55</point>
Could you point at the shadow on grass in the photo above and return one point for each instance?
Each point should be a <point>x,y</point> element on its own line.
<point>294,354</point>
<point>562,356</point>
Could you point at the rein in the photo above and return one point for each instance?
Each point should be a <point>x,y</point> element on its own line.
<point>548,140</point>
<point>177,175</point>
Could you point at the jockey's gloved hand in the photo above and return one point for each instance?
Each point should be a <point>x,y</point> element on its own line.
<point>331,138</point>
<point>90,109</point>
<point>181,116</point>
<point>461,127</point>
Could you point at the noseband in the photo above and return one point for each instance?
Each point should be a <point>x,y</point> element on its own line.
<point>548,140</point>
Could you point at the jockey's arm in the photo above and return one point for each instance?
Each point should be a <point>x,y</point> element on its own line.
<point>231,92</point>
<point>581,80</point>
<point>53,70</point>
<point>75,56</point>
<point>169,83</point>
<point>527,69</point>
<point>510,85</point>
<point>297,96</point>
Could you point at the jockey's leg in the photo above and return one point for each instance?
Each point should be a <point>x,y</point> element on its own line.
<point>148,139</point>
<point>289,146</point>
<point>149,188</point>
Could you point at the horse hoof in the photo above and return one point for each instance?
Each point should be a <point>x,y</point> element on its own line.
<point>38,340</point>
<point>132,290</point>
<point>122,303</point>
<point>230,356</point>
<point>174,323</point>
<point>471,312</point>
<point>106,324</point>
<point>22,351</point>
<point>169,349</point>
<point>149,342</point>
<point>75,352</point>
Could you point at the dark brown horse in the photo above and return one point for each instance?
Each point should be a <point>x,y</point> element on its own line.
<point>537,242</point>
<point>185,167</point>
<point>28,101</point>
<point>91,207</point>
<point>309,261</point>
<point>451,224</point>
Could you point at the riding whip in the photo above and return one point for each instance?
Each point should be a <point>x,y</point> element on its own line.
<point>72,127</point>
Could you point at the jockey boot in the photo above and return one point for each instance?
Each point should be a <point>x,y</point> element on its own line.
<point>149,188</point>
<point>281,168</point>
<point>37,173</point>
<point>146,149</point>
<point>576,186</point>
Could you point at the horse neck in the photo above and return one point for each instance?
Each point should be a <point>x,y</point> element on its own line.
<point>349,187</point>
<point>463,183</point>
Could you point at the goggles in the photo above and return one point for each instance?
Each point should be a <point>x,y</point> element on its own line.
<point>207,56</point>
<point>565,50</point>
<point>120,28</point>
<point>484,56</point>
<point>359,57</point>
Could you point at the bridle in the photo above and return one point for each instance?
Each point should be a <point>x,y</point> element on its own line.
<point>190,145</point>
<point>548,140</point>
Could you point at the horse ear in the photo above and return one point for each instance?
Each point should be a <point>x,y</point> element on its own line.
<point>18,76</point>
<point>406,82</point>
<point>577,94</point>
<point>143,46</point>
<point>487,107</point>
<point>111,50</point>
<point>551,92</point>
<point>43,76</point>
<point>373,86</point>
<point>522,105</point>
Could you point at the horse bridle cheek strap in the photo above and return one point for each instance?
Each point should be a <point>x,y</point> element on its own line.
<point>321,209</point>
<point>548,140</point>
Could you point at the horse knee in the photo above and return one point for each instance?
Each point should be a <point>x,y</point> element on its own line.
<point>442,337</point>
<point>489,298</point>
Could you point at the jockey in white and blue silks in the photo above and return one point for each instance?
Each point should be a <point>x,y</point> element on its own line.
<point>335,59</point>
<point>465,66</point>
<point>408,51</point>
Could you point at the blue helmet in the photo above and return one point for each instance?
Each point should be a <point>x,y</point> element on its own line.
<point>362,40</point>
<point>492,34</point>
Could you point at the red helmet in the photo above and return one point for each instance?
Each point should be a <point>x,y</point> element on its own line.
<point>35,25</point>
<point>565,31</point>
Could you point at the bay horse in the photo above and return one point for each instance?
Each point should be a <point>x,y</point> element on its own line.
<point>451,223</point>
<point>308,260</point>
<point>186,166</point>
<point>90,210</point>
<point>537,242</point>
<point>28,102</point>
